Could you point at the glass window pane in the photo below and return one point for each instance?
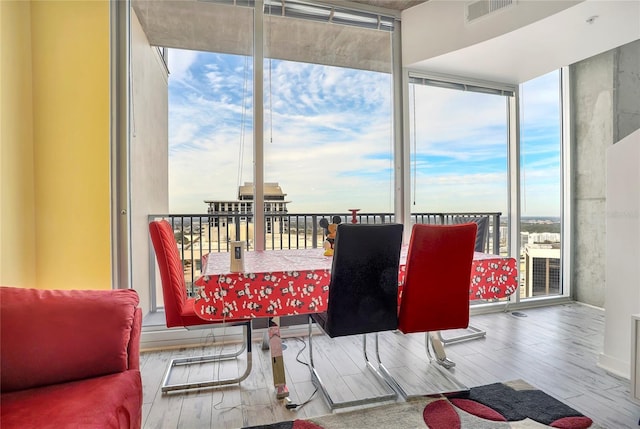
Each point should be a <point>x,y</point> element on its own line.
<point>210,128</point>
<point>460,157</point>
<point>540,152</point>
<point>328,129</point>
<point>328,137</point>
<point>459,144</point>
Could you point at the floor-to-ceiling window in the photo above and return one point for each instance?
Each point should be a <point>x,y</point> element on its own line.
<point>461,138</point>
<point>541,186</point>
<point>459,142</point>
<point>328,126</point>
<point>327,134</point>
<point>210,137</point>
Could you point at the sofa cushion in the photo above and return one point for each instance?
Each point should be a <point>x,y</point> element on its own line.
<point>111,401</point>
<point>55,336</point>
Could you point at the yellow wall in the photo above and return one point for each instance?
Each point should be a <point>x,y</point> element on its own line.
<point>70,212</point>
<point>17,222</point>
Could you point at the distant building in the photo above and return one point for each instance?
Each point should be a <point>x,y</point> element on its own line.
<point>542,269</point>
<point>539,237</point>
<point>274,204</point>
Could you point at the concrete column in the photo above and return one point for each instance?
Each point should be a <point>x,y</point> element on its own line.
<point>605,90</point>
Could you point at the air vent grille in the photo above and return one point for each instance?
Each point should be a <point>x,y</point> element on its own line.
<point>480,8</point>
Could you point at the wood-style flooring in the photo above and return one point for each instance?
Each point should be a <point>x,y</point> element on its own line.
<point>554,348</point>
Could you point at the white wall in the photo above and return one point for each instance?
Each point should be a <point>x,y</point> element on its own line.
<point>149,152</point>
<point>623,252</point>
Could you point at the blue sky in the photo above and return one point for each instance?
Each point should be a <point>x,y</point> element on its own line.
<point>328,139</point>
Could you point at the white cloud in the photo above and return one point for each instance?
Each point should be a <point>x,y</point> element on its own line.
<point>180,62</point>
<point>328,139</point>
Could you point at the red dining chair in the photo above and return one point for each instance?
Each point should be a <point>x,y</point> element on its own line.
<point>435,293</point>
<point>179,311</point>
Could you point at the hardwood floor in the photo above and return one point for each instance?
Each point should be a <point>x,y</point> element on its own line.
<point>553,348</point>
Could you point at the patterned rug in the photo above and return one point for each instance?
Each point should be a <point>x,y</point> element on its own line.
<point>514,404</point>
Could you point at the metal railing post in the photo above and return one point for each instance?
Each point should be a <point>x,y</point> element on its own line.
<point>496,233</point>
<point>314,231</point>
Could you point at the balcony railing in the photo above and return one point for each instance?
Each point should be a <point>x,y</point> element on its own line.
<point>200,234</point>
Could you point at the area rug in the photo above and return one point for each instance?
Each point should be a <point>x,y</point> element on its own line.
<point>514,404</point>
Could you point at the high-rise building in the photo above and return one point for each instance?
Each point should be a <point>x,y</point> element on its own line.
<point>274,204</point>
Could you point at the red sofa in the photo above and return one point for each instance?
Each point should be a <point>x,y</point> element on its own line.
<point>69,359</point>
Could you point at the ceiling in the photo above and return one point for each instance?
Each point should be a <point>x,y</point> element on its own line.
<point>526,51</point>
<point>209,25</point>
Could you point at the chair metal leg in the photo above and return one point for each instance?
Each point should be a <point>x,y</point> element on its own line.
<point>474,334</point>
<point>375,368</point>
<point>455,386</point>
<point>387,374</point>
<point>246,345</point>
<point>317,381</point>
<point>432,339</point>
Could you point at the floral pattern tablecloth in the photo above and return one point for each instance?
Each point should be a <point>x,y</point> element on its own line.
<point>296,281</point>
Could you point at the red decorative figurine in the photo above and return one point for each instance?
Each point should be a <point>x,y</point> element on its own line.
<point>353,215</point>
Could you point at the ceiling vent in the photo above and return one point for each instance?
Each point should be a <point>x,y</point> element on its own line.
<point>481,8</point>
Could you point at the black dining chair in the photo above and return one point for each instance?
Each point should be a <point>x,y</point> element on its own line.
<point>363,295</point>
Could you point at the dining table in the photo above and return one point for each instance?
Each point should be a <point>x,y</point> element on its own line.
<point>277,283</point>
